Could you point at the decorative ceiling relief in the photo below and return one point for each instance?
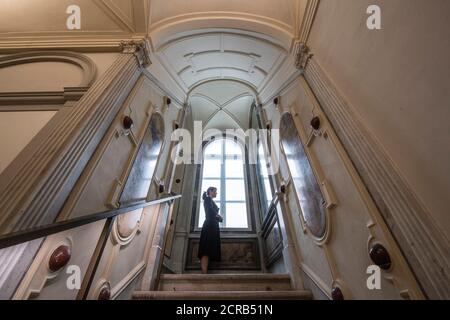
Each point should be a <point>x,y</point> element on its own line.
<point>222,105</point>
<point>197,58</point>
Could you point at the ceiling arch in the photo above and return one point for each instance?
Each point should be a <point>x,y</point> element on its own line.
<point>221,54</point>
<point>170,27</point>
<point>222,104</point>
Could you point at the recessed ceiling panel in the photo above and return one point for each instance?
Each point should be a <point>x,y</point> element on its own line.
<point>190,77</point>
<point>266,53</point>
<point>239,108</point>
<point>222,91</point>
<point>179,52</point>
<point>223,60</point>
<point>230,102</point>
<point>255,78</point>
<point>221,55</point>
<point>222,121</point>
<point>202,108</point>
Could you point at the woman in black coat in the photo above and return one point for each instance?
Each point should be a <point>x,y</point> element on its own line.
<point>209,247</point>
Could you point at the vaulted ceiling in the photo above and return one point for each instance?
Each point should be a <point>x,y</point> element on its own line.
<point>194,43</point>
<point>221,55</point>
<point>222,105</point>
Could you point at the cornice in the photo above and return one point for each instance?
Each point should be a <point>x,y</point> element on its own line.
<point>308,20</point>
<point>75,43</point>
<point>40,100</point>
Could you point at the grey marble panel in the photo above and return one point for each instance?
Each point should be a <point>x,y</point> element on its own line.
<point>306,185</point>
<point>141,175</point>
<point>237,254</point>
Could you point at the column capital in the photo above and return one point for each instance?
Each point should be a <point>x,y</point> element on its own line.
<point>302,54</point>
<point>140,49</point>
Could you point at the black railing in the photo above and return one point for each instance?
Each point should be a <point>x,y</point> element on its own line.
<point>16,238</point>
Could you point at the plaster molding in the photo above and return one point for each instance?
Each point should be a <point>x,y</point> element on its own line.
<point>161,87</point>
<point>320,177</point>
<point>15,262</point>
<point>40,101</point>
<point>424,245</point>
<point>127,280</point>
<point>118,16</point>
<point>85,63</point>
<point>105,43</point>
<point>308,20</point>
<point>38,192</point>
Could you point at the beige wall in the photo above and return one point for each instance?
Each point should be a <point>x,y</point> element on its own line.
<point>39,76</point>
<point>102,60</point>
<point>17,129</point>
<point>398,82</point>
<point>50,76</point>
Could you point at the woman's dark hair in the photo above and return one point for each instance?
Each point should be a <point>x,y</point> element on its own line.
<point>206,194</point>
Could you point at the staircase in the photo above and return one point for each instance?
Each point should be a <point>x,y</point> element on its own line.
<point>224,287</point>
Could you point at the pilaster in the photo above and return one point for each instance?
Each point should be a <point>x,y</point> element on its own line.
<point>36,195</point>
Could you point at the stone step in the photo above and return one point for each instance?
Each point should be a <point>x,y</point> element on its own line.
<point>223,295</point>
<point>224,282</point>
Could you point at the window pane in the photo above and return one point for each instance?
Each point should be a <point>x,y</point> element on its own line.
<point>263,168</point>
<point>233,180</point>
<point>236,215</point>
<point>214,148</point>
<point>234,168</point>
<point>211,169</point>
<point>206,183</point>
<point>235,190</point>
<point>232,147</point>
<point>262,162</point>
<point>268,190</point>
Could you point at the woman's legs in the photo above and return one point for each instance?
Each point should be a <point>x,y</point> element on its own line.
<point>204,261</point>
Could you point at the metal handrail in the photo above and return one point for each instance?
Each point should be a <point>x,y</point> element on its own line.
<point>19,237</point>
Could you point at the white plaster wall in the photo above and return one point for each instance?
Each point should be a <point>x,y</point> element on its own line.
<point>397,81</point>
<point>182,216</point>
<point>344,257</point>
<point>312,255</point>
<point>17,129</point>
<point>118,151</point>
<point>40,283</point>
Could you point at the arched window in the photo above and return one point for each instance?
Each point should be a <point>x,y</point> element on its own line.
<point>223,168</point>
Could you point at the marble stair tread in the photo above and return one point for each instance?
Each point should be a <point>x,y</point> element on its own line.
<point>229,282</point>
<point>223,295</point>
<point>216,277</point>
